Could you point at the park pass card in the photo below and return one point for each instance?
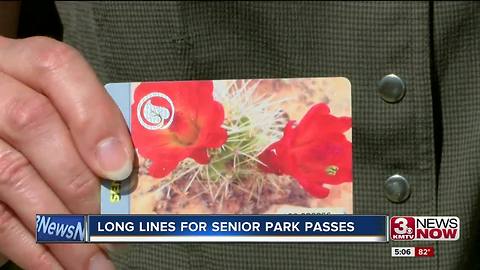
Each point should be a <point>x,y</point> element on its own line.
<point>263,146</point>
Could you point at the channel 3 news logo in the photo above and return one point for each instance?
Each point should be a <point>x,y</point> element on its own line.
<point>60,228</point>
<point>411,228</point>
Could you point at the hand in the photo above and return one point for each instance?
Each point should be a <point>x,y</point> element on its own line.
<point>59,130</point>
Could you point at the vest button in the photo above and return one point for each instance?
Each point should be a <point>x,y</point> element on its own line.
<point>397,189</point>
<point>391,88</point>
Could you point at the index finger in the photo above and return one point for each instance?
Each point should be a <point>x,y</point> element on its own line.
<point>63,75</point>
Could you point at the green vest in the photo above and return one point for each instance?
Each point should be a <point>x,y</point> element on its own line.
<point>431,137</point>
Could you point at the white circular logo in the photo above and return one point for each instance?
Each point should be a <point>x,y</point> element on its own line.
<point>155,117</point>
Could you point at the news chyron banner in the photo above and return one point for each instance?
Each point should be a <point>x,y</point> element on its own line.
<point>211,228</point>
<point>244,228</point>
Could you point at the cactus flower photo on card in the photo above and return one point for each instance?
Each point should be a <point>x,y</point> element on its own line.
<point>195,129</point>
<point>315,151</point>
<point>242,146</point>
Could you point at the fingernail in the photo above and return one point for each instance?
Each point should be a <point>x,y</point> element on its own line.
<point>99,261</point>
<point>114,159</point>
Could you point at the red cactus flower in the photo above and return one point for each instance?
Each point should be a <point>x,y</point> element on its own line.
<point>314,152</point>
<point>167,135</point>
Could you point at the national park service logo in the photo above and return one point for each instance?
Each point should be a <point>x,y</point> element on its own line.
<point>155,117</point>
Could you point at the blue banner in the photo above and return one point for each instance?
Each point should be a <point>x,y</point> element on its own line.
<point>211,228</point>
<point>60,228</point>
<point>237,228</point>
